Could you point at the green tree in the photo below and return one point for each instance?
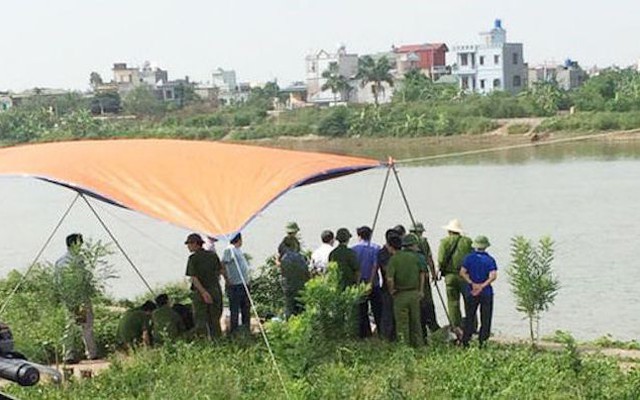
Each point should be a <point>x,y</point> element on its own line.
<point>374,72</point>
<point>185,94</point>
<point>85,275</point>
<point>546,98</point>
<point>143,101</point>
<point>106,102</point>
<point>532,281</point>
<point>336,82</point>
<point>95,80</point>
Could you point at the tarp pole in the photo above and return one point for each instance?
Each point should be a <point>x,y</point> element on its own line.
<point>124,253</point>
<point>382,193</point>
<point>35,260</point>
<point>424,250</point>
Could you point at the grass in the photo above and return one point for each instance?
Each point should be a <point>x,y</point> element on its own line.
<point>350,369</point>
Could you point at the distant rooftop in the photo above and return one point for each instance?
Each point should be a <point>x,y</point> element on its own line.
<point>412,48</point>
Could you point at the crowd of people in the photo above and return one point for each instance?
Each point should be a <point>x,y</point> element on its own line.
<point>399,275</point>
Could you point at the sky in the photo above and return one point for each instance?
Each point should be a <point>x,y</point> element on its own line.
<point>57,44</point>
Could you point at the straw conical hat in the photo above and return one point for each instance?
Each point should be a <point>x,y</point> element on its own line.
<point>454,226</point>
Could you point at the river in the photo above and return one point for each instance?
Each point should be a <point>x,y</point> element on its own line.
<point>585,196</point>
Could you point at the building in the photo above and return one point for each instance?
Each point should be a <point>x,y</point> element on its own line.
<point>494,64</point>
<point>226,83</point>
<point>153,76</point>
<point>297,96</point>
<point>127,78</point>
<point>319,62</point>
<point>429,58</point>
<point>568,75</point>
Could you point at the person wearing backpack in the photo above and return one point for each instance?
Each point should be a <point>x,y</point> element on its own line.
<point>453,249</point>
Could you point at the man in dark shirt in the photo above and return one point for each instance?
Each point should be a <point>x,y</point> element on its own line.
<point>348,268</point>
<point>204,268</point>
<point>393,243</point>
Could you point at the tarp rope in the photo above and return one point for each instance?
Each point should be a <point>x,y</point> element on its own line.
<point>37,257</point>
<point>421,243</point>
<point>154,241</point>
<point>513,147</point>
<point>263,332</point>
<point>124,253</point>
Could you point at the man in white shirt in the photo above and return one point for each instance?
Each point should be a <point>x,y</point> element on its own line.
<point>237,276</point>
<point>320,256</point>
<point>77,314</point>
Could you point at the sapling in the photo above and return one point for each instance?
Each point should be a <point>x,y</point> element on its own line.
<point>532,280</point>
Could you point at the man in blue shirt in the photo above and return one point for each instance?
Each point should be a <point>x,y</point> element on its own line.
<point>478,270</point>
<point>367,255</point>
<point>237,277</point>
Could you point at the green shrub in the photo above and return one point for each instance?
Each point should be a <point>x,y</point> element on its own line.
<point>335,123</point>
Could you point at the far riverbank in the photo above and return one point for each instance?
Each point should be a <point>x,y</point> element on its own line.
<point>407,148</point>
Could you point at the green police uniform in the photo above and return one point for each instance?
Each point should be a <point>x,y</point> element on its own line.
<point>206,266</point>
<point>348,266</point>
<point>295,273</point>
<point>424,246</point>
<point>291,242</point>
<point>455,248</point>
<point>404,269</point>
<point>131,326</point>
<point>167,324</point>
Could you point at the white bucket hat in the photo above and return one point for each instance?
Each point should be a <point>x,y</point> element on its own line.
<point>454,226</point>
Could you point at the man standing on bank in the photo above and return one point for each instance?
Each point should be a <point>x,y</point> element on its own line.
<point>453,249</point>
<point>367,254</point>
<point>78,305</point>
<point>405,279</point>
<point>347,260</point>
<point>204,268</point>
<point>478,270</point>
<point>237,268</point>
<point>428,319</point>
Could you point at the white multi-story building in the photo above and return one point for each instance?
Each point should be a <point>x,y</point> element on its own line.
<point>319,62</point>
<point>491,65</point>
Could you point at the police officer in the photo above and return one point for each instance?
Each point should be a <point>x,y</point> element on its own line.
<point>295,273</point>
<point>134,328</point>
<point>167,324</point>
<point>291,238</point>
<point>427,308</point>
<point>204,268</point>
<point>453,249</point>
<point>347,260</point>
<point>405,279</point>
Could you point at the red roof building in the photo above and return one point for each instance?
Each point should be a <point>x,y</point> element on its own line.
<point>428,57</point>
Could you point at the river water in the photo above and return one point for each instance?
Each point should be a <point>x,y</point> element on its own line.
<point>585,196</point>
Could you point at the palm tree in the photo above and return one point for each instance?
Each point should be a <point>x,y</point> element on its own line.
<point>336,82</point>
<point>376,73</point>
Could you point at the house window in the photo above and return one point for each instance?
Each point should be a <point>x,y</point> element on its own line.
<point>464,59</point>
<point>515,58</point>
<point>481,60</point>
<point>481,83</point>
<point>496,59</point>
<point>168,95</point>
<point>517,81</point>
<point>496,83</point>
<point>465,82</point>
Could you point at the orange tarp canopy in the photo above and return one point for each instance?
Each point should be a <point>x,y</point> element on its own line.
<point>208,187</point>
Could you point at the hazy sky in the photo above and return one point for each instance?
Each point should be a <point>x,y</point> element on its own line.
<point>58,43</point>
